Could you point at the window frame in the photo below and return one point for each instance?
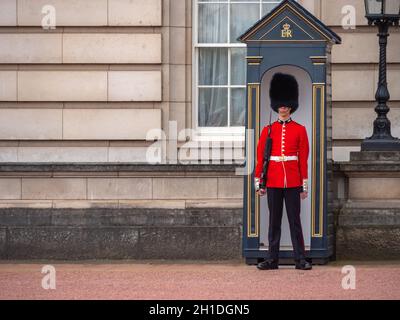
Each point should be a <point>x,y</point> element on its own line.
<point>235,133</point>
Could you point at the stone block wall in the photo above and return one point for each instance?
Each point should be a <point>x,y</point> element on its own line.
<point>120,185</point>
<point>93,87</point>
<point>368,207</point>
<point>90,91</point>
<point>355,75</point>
<point>112,70</point>
<point>121,211</point>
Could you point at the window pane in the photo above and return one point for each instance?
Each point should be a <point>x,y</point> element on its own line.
<point>238,107</point>
<point>213,66</point>
<point>243,16</point>
<point>238,70</point>
<point>213,23</point>
<point>268,7</point>
<point>213,63</point>
<point>213,107</point>
<point>392,7</point>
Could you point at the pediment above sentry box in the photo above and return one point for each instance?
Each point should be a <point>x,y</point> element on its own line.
<point>289,22</point>
<point>287,29</point>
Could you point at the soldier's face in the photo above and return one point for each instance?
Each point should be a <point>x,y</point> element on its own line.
<point>284,111</point>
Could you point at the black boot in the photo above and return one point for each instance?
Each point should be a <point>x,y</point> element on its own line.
<point>268,265</point>
<point>303,265</point>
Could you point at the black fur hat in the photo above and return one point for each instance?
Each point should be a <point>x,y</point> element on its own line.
<point>284,91</point>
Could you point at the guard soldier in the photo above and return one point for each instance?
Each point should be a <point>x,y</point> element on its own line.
<point>286,176</point>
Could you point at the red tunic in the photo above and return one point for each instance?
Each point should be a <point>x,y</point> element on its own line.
<point>288,139</point>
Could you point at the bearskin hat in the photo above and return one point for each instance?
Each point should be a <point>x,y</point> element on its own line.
<point>284,91</point>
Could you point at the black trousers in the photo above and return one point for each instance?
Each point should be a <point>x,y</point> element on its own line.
<point>293,205</point>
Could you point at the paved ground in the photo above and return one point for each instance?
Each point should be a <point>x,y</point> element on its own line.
<point>197,280</point>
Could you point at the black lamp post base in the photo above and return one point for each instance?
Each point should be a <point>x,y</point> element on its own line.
<point>381,145</point>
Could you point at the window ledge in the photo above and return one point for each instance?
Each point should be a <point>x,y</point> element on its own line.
<point>220,134</point>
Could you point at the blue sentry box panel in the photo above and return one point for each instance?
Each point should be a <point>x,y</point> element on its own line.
<point>288,36</point>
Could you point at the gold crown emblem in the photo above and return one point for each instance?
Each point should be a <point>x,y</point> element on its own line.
<point>286,26</point>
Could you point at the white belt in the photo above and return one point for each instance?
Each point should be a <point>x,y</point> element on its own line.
<point>283,158</point>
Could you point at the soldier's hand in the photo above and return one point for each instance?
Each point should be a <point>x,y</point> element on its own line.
<point>261,192</point>
<point>303,195</point>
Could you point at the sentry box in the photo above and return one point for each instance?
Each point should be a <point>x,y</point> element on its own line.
<point>290,40</point>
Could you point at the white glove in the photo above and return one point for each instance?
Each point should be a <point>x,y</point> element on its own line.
<point>257,184</point>
<point>257,187</point>
<point>305,185</point>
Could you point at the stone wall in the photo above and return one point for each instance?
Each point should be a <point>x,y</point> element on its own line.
<point>91,89</point>
<point>120,233</point>
<point>368,206</point>
<point>120,211</point>
<point>106,185</point>
<point>355,75</point>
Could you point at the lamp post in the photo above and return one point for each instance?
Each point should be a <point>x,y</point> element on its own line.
<point>383,14</point>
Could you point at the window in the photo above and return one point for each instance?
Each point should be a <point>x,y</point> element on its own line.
<point>219,68</point>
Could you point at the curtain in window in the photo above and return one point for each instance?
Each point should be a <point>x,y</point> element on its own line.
<point>221,87</point>
<point>213,23</point>
<point>243,16</point>
<point>213,66</point>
